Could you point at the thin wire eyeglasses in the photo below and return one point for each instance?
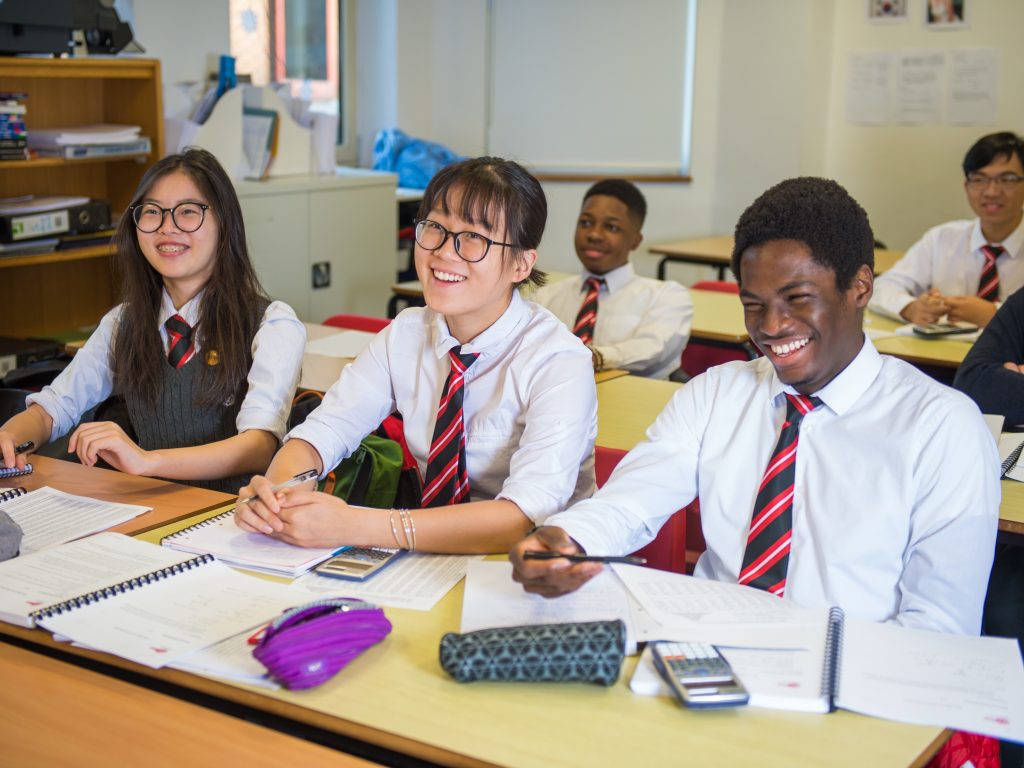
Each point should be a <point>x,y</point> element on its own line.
<point>149,217</point>
<point>979,181</point>
<point>470,246</point>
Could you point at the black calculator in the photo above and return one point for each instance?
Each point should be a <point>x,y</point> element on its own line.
<point>358,563</point>
<point>698,675</point>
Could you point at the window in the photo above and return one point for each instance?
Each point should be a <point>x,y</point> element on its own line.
<point>302,44</point>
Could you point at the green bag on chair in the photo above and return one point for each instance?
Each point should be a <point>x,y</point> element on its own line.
<point>370,476</point>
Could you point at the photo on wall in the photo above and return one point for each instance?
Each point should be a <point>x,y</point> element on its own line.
<point>946,14</point>
<point>887,11</point>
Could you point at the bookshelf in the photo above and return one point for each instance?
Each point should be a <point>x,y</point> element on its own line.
<point>51,292</point>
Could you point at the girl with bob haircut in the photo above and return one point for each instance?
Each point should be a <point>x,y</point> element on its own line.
<point>201,364</point>
<point>497,396</point>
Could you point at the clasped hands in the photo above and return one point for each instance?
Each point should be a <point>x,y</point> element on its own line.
<point>305,518</point>
<point>931,306</point>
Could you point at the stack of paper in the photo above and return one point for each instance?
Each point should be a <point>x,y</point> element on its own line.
<point>101,133</point>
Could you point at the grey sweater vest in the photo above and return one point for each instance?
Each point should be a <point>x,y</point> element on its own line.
<point>177,420</point>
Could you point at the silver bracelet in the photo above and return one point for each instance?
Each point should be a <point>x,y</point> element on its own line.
<point>409,528</point>
<point>394,528</point>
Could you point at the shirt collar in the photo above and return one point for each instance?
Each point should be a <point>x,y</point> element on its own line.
<point>617,278</point>
<point>189,311</point>
<point>847,387</point>
<point>1014,244</point>
<point>501,329</point>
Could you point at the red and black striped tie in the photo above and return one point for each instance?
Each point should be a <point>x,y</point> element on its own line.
<point>181,348</point>
<point>586,318</point>
<point>447,481</point>
<point>766,558</point>
<point>988,283</point>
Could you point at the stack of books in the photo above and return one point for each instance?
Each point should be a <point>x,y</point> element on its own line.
<point>38,224</point>
<point>13,138</point>
<point>102,140</point>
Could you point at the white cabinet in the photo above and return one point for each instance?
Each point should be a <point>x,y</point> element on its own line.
<point>348,221</point>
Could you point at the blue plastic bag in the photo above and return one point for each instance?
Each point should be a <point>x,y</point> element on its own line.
<point>414,160</point>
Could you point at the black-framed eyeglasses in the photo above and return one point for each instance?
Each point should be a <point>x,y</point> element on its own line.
<point>470,246</point>
<point>149,217</point>
<point>979,181</point>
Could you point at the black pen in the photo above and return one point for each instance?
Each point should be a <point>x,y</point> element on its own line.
<point>577,558</point>
<point>28,445</point>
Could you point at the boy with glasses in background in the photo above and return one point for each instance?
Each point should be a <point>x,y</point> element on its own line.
<point>964,269</point>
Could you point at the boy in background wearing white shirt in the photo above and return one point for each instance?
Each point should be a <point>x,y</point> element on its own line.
<point>966,268</point>
<point>629,322</point>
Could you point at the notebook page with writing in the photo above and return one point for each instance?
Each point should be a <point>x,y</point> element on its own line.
<point>970,683</point>
<point>32,582</point>
<point>48,516</point>
<point>166,619</point>
<point>220,537</point>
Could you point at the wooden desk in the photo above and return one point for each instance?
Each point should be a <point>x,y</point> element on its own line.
<point>57,713</point>
<point>170,501</point>
<point>1011,510</point>
<point>395,696</point>
<point>717,252</point>
<point>627,406</point>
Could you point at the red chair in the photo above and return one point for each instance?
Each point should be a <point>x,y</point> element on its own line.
<point>668,550</point>
<point>358,322</point>
<point>700,355</point>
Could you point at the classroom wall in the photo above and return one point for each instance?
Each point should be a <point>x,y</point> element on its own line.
<point>769,103</point>
<point>909,177</point>
<point>187,36</point>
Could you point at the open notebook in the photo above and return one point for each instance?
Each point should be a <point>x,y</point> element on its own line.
<point>220,537</point>
<point>134,599</point>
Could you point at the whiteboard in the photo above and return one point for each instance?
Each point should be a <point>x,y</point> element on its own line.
<point>592,86</point>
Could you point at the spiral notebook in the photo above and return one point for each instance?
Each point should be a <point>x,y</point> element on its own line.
<point>220,537</point>
<point>6,472</point>
<point>898,673</point>
<point>134,599</point>
<point>48,517</point>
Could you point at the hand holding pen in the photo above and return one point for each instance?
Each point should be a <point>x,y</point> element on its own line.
<point>549,562</point>
<point>19,449</point>
<point>264,519</point>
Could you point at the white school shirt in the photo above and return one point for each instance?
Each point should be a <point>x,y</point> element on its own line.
<point>642,324</point>
<point>949,258</point>
<point>529,407</point>
<point>897,489</point>
<point>277,350</point>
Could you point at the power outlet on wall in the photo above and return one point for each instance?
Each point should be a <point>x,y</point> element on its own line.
<point>322,274</point>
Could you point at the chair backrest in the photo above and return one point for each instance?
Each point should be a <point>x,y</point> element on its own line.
<point>12,401</point>
<point>358,322</point>
<point>722,286</point>
<point>668,550</point>
<point>698,356</point>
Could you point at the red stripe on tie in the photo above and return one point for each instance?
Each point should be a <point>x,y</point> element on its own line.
<point>774,554</point>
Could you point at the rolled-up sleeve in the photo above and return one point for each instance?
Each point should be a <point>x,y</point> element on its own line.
<point>277,350</point>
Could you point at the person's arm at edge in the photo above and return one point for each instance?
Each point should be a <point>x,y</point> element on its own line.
<point>983,376</point>
<point>33,424</point>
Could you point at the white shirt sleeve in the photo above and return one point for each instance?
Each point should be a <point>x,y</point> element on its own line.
<point>277,350</point>
<point>653,481</point>
<point>544,467</point>
<point>953,527</point>
<point>87,381</point>
<point>907,279</point>
<point>354,406</point>
<point>657,341</point>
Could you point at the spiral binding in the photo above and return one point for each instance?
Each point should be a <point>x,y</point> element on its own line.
<point>116,589</point>
<point>11,493</point>
<point>196,526</point>
<point>833,655</point>
<point>6,472</point>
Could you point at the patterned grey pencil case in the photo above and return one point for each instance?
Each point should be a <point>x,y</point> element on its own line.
<point>590,652</point>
